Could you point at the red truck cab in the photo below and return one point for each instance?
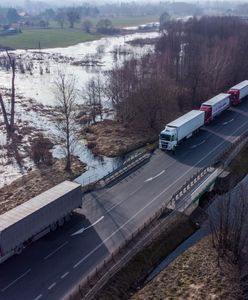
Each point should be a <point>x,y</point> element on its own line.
<point>234,96</point>
<point>208,113</point>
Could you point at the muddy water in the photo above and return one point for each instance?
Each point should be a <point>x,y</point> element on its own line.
<point>40,87</point>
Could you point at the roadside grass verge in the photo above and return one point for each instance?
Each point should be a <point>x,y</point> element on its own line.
<point>46,38</point>
<point>123,284</point>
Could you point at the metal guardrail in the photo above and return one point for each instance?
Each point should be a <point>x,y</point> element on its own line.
<point>99,276</point>
<point>131,163</point>
<point>127,167</point>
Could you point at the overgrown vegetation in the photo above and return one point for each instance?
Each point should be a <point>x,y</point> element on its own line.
<point>239,166</point>
<point>228,224</point>
<point>193,61</point>
<point>195,275</point>
<point>40,150</point>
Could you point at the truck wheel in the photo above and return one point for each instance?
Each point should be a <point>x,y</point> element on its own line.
<point>61,222</point>
<point>53,227</point>
<point>19,249</point>
<point>68,217</point>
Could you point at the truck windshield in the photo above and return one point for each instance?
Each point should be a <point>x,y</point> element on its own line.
<point>165,137</point>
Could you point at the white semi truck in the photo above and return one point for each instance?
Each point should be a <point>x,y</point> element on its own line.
<point>238,92</point>
<point>36,217</point>
<point>180,129</point>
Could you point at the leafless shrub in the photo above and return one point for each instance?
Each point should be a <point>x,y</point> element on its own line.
<point>229,223</point>
<point>66,111</point>
<point>40,150</point>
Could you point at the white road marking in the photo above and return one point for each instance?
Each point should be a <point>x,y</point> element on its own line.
<point>13,282</point>
<point>56,250</point>
<point>51,286</point>
<point>85,228</point>
<point>38,297</point>
<point>194,146</point>
<point>152,178</point>
<point>227,122</point>
<point>153,200</point>
<point>64,275</point>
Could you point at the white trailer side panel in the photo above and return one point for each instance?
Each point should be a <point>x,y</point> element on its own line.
<point>188,123</point>
<point>28,219</point>
<point>242,87</point>
<point>218,103</point>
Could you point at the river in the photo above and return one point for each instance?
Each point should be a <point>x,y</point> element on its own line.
<point>39,87</point>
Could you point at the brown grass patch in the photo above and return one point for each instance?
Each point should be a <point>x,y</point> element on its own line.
<point>36,182</point>
<point>195,275</point>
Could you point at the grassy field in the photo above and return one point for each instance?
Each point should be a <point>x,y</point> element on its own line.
<point>46,38</point>
<point>118,22</point>
<point>132,21</point>
<point>56,37</point>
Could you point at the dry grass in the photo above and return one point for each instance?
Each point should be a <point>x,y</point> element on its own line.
<point>36,182</point>
<point>111,138</point>
<point>194,275</point>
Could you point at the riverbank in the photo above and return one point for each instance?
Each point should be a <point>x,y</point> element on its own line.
<point>36,182</point>
<point>195,275</point>
<point>111,138</point>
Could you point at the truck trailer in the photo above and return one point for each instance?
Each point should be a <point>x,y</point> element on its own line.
<point>238,92</point>
<point>180,129</point>
<point>36,217</point>
<point>215,106</point>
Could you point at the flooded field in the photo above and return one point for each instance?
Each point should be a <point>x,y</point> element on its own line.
<point>35,85</point>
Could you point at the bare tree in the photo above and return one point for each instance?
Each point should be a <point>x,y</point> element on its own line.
<point>12,62</point>
<point>61,17</point>
<point>5,116</point>
<point>65,93</point>
<point>93,94</point>
<point>10,124</point>
<point>73,15</point>
<point>228,224</point>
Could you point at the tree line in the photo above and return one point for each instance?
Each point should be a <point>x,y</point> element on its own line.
<point>193,61</point>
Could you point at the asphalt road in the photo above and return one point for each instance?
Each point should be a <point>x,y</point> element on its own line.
<point>50,267</point>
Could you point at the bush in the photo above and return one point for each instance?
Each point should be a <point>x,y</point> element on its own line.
<point>40,150</point>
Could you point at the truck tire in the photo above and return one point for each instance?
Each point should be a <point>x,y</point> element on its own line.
<point>61,222</point>
<point>67,217</point>
<point>54,226</point>
<point>19,249</point>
